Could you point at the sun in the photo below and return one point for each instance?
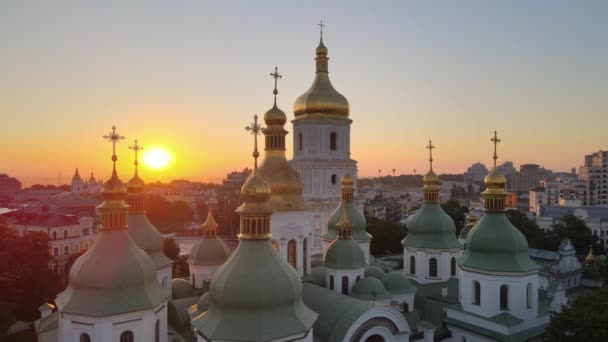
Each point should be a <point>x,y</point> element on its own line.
<point>156,158</point>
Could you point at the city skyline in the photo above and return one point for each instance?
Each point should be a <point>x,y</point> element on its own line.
<point>452,73</point>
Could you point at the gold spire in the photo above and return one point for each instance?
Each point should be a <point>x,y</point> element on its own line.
<point>344,225</point>
<point>255,212</point>
<point>431,182</point>
<point>275,120</point>
<point>590,259</point>
<point>494,194</point>
<point>347,189</point>
<point>210,226</point>
<point>113,209</point>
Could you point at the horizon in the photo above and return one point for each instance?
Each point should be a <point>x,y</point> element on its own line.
<point>411,72</point>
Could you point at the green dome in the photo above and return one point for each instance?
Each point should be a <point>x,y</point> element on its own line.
<point>147,237</point>
<point>255,282</point>
<point>356,218</point>
<point>431,227</point>
<point>208,252</point>
<point>344,254</point>
<point>397,283</point>
<point>203,302</point>
<point>374,272</point>
<point>114,276</point>
<point>370,289</point>
<point>495,245</point>
<point>181,288</point>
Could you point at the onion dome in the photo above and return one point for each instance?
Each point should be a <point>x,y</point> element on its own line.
<point>255,288</point>
<point>430,226</point>
<point>209,250</point>
<point>114,276</point>
<point>494,244</point>
<point>356,218</point>
<point>374,272</point>
<point>471,220</point>
<point>370,289</point>
<point>321,101</point>
<point>284,181</point>
<point>344,252</point>
<point>181,288</point>
<point>397,282</point>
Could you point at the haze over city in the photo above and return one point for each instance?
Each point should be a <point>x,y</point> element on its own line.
<point>188,77</point>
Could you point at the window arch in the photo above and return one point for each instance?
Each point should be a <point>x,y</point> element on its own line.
<point>300,141</point>
<point>529,296</point>
<point>345,285</point>
<point>127,336</point>
<point>476,293</point>
<point>157,331</point>
<point>412,265</point>
<point>433,268</point>
<point>332,141</point>
<point>84,337</point>
<point>453,267</point>
<point>334,179</point>
<point>504,297</point>
<point>331,282</point>
<point>291,253</point>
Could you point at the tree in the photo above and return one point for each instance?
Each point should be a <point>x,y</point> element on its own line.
<point>386,237</point>
<point>171,249</point>
<point>585,320</point>
<point>535,236</point>
<point>180,267</point>
<point>576,230</point>
<point>202,209</point>
<point>457,212</point>
<point>166,216</point>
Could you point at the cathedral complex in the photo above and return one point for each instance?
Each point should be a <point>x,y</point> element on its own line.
<point>479,286</point>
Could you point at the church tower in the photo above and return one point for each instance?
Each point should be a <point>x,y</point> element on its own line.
<point>77,185</point>
<point>141,230</point>
<point>321,140</point>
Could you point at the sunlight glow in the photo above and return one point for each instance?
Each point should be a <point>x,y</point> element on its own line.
<point>156,158</point>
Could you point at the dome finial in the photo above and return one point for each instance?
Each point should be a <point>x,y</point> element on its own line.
<point>136,184</point>
<point>431,182</point>
<point>430,147</point>
<point>113,137</point>
<point>494,194</point>
<point>276,77</point>
<point>495,140</point>
<point>136,148</point>
<point>321,25</point>
<point>255,129</point>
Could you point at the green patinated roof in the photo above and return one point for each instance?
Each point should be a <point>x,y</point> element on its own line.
<point>356,218</point>
<point>147,237</point>
<point>344,254</point>
<point>429,303</point>
<point>495,245</point>
<point>337,312</point>
<point>370,289</point>
<point>177,314</point>
<point>318,276</point>
<point>431,227</point>
<point>114,276</point>
<point>255,296</point>
<point>181,288</point>
<point>374,272</point>
<point>208,252</point>
<point>397,283</point>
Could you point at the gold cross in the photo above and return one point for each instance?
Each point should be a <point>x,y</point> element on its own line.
<point>321,25</point>
<point>113,137</point>
<point>430,146</point>
<point>255,129</point>
<point>495,140</point>
<point>276,77</point>
<point>136,148</point>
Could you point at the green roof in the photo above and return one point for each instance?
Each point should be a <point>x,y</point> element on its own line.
<point>318,276</point>
<point>370,289</point>
<point>114,276</point>
<point>255,296</point>
<point>429,302</point>
<point>397,282</point>
<point>344,254</point>
<point>208,252</point>
<point>337,312</point>
<point>147,237</point>
<point>431,227</point>
<point>181,288</point>
<point>374,272</point>
<point>495,245</point>
<point>359,232</point>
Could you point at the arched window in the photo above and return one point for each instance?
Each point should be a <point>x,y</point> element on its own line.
<point>157,331</point>
<point>334,179</point>
<point>300,141</point>
<point>433,268</point>
<point>84,337</point>
<point>127,336</point>
<point>331,282</point>
<point>54,235</point>
<point>55,251</point>
<point>332,141</point>
<point>476,293</point>
<point>345,285</point>
<point>504,297</point>
<point>453,267</point>
<point>291,253</point>
<point>529,296</point>
<point>412,265</point>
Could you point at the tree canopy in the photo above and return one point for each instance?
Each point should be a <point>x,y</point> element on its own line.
<point>457,212</point>
<point>576,230</point>
<point>585,320</point>
<point>386,236</point>
<point>536,237</point>
<point>168,216</point>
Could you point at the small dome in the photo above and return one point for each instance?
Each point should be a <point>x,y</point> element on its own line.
<point>255,189</point>
<point>148,238</point>
<point>181,288</point>
<point>275,117</point>
<point>208,252</point>
<point>113,188</point>
<point>321,49</point>
<point>136,184</point>
<point>494,182</point>
<point>397,283</point>
<point>370,289</point>
<point>344,254</point>
<point>322,100</point>
<point>284,181</point>
<point>431,227</point>
<point>358,231</point>
<point>431,178</point>
<point>374,272</point>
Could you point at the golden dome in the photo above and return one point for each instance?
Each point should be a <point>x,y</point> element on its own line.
<point>431,178</point>
<point>347,181</point>
<point>495,183</point>
<point>321,101</point>
<point>275,117</point>
<point>255,189</point>
<point>284,182</point>
<point>113,188</point>
<point>590,259</point>
<point>136,184</point>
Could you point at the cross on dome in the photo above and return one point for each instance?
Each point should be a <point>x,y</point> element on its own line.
<point>136,148</point>
<point>321,25</point>
<point>430,147</point>
<point>255,129</point>
<point>495,140</point>
<point>113,137</point>
<point>276,77</point>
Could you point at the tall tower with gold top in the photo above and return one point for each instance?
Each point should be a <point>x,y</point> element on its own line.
<point>499,293</point>
<point>321,139</point>
<point>292,221</point>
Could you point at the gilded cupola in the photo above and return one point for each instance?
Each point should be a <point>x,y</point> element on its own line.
<point>431,182</point>
<point>284,181</point>
<point>494,195</point>
<point>321,101</point>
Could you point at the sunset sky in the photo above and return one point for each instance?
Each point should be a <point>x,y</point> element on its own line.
<point>189,75</point>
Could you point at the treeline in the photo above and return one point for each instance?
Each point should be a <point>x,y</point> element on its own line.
<point>407,180</point>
